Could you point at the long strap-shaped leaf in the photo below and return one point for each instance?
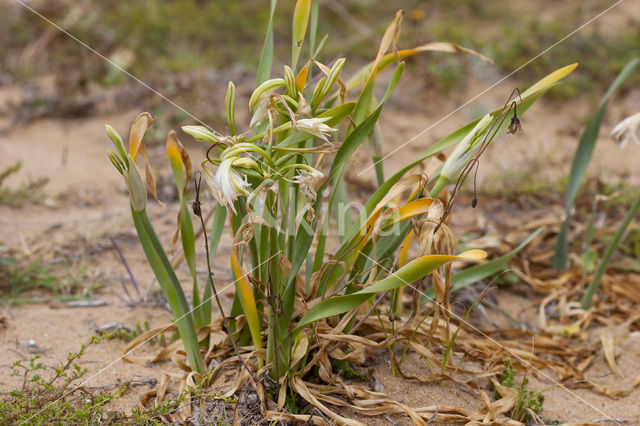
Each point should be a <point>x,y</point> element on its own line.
<point>266,57</point>
<point>476,273</point>
<point>581,161</point>
<point>528,98</point>
<point>412,271</point>
<point>602,267</point>
<point>170,284</point>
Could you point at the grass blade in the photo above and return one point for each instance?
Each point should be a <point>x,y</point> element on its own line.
<point>581,161</point>
<point>266,57</point>
<point>602,267</point>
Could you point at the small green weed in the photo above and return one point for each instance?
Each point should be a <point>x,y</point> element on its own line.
<point>30,192</point>
<point>527,399</point>
<point>346,370</point>
<point>64,281</point>
<point>19,278</point>
<point>53,395</point>
<point>127,334</point>
<point>53,399</point>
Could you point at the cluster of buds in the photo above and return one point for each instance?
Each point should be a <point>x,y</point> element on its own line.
<point>246,165</point>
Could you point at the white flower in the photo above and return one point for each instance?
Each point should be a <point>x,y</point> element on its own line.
<point>228,184</point>
<point>307,179</point>
<point>315,126</point>
<point>465,150</point>
<point>627,129</point>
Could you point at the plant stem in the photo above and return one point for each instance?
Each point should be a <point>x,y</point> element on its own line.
<point>439,186</point>
<point>215,294</point>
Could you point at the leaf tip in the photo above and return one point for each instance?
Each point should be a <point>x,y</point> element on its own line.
<point>474,254</point>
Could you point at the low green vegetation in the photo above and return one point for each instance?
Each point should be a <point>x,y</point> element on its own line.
<point>527,399</point>
<point>30,192</point>
<point>58,395</point>
<point>127,334</point>
<point>24,281</point>
<point>49,395</point>
<point>206,34</point>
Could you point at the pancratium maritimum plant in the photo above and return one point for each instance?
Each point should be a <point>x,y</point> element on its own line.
<point>280,189</point>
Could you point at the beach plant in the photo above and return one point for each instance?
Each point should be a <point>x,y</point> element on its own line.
<point>529,403</point>
<point>280,192</point>
<point>50,394</point>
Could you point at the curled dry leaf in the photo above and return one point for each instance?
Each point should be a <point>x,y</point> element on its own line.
<point>136,146</point>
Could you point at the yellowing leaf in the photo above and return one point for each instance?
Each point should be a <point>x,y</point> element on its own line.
<point>412,271</point>
<point>300,22</point>
<point>180,162</point>
<point>549,80</point>
<point>414,208</point>
<point>390,37</point>
<point>404,249</point>
<point>140,125</point>
<point>386,60</point>
<point>301,78</point>
<point>247,299</point>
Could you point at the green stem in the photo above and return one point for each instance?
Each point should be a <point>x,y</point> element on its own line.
<point>439,186</point>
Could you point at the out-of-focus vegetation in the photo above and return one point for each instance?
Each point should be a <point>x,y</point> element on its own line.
<point>151,38</point>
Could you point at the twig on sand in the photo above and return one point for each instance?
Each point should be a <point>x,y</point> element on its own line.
<point>126,266</point>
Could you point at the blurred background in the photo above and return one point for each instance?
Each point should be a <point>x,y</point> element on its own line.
<point>189,49</point>
<point>180,45</point>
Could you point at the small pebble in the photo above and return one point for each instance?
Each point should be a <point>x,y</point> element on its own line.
<point>32,342</point>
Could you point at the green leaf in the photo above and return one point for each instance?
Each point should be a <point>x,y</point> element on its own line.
<point>300,22</point>
<point>337,113</point>
<point>602,267</point>
<point>188,238</point>
<point>219,218</point>
<point>266,57</point>
<point>479,272</point>
<point>393,82</point>
<point>581,161</point>
<point>351,143</point>
<point>412,271</point>
<point>313,26</point>
<point>171,288</point>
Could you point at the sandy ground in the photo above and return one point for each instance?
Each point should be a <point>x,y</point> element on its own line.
<point>86,202</point>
